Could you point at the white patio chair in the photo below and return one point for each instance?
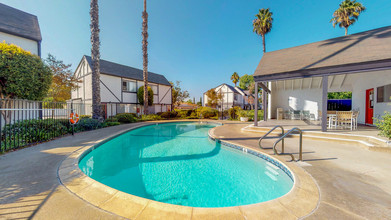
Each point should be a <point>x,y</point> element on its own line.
<point>345,118</point>
<point>296,114</point>
<point>355,118</point>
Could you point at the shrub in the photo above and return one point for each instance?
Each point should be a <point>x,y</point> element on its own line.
<point>87,124</point>
<point>251,115</point>
<point>140,95</point>
<point>182,113</point>
<point>111,119</point>
<point>111,123</point>
<point>384,125</point>
<point>150,117</point>
<point>233,112</point>
<point>207,112</point>
<point>84,116</point>
<point>126,118</point>
<point>243,113</point>
<point>31,131</point>
<point>168,115</point>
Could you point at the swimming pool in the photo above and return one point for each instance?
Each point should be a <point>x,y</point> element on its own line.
<point>177,163</point>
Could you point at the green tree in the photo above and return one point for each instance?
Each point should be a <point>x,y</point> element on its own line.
<point>140,96</point>
<point>144,33</point>
<point>178,95</point>
<point>347,14</point>
<point>63,80</point>
<point>214,97</point>
<point>200,102</point>
<point>22,75</point>
<point>235,78</point>
<point>245,81</point>
<point>95,56</point>
<point>263,24</point>
<point>339,95</point>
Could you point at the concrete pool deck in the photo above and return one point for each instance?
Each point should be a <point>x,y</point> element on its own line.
<point>352,185</point>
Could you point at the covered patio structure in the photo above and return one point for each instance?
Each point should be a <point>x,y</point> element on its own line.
<point>300,78</point>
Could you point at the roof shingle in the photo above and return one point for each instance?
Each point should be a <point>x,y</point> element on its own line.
<point>369,46</point>
<point>19,23</point>
<point>115,69</point>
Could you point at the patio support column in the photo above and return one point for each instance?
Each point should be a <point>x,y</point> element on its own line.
<point>264,104</point>
<point>256,104</point>
<point>325,85</point>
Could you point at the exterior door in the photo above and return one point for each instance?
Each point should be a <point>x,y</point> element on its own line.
<point>370,96</point>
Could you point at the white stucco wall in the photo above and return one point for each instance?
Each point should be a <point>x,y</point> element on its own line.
<point>364,81</point>
<point>228,97</point>
<point>165,95</point>
<point>24,43</point>
<point>112,92</point>
<point>113,84</point>
<point>307,94</point>
<point>306,99</point>
<point>129,97</point>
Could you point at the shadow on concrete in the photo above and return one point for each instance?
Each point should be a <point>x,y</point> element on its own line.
<point>319,159</point>
<point>29,176</point>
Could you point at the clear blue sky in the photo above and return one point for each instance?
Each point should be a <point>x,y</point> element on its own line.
<point>199,42</point>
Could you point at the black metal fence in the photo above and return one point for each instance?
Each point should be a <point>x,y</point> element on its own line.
<point>25,122</point>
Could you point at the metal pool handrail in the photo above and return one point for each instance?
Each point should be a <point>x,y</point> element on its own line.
<point>271,130</point>
<point>300,143</point>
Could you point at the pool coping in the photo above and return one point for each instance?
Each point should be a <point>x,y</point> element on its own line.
<point>301,201</point>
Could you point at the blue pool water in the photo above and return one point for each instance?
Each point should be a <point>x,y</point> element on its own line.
<point>177,163</point>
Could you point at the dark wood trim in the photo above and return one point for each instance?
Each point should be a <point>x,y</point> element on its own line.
<point>327,71</point>
<point>122,90</point>
<point>264,87</point>
<point>256,105</point>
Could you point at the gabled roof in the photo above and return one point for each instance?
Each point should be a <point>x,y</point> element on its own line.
<point>356,52</point>
<point>231,88</point>
<point>19,23</point>
<point>115,69</point>
<point>236,90</point>
<point>241,91</point>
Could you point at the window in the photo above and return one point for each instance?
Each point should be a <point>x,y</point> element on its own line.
<point>129,86</point>
<point>384,93</point>
<point>236,97</point>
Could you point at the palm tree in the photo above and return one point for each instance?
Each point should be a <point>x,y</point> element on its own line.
<point>235,78</point>
<point>145,55</point>
<point>347,14</point>
<point>95,55</point>
<point>263,24</point>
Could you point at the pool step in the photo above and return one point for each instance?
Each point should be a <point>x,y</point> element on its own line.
<point>271,176</point>
<point>271,170</point>
<point>272,165</point>
<point>369,142</point>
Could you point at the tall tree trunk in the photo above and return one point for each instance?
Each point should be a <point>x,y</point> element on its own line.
<point>263,43</point>
<point>145,56</point>
<point>95,55</point>
<point>346,31</point>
